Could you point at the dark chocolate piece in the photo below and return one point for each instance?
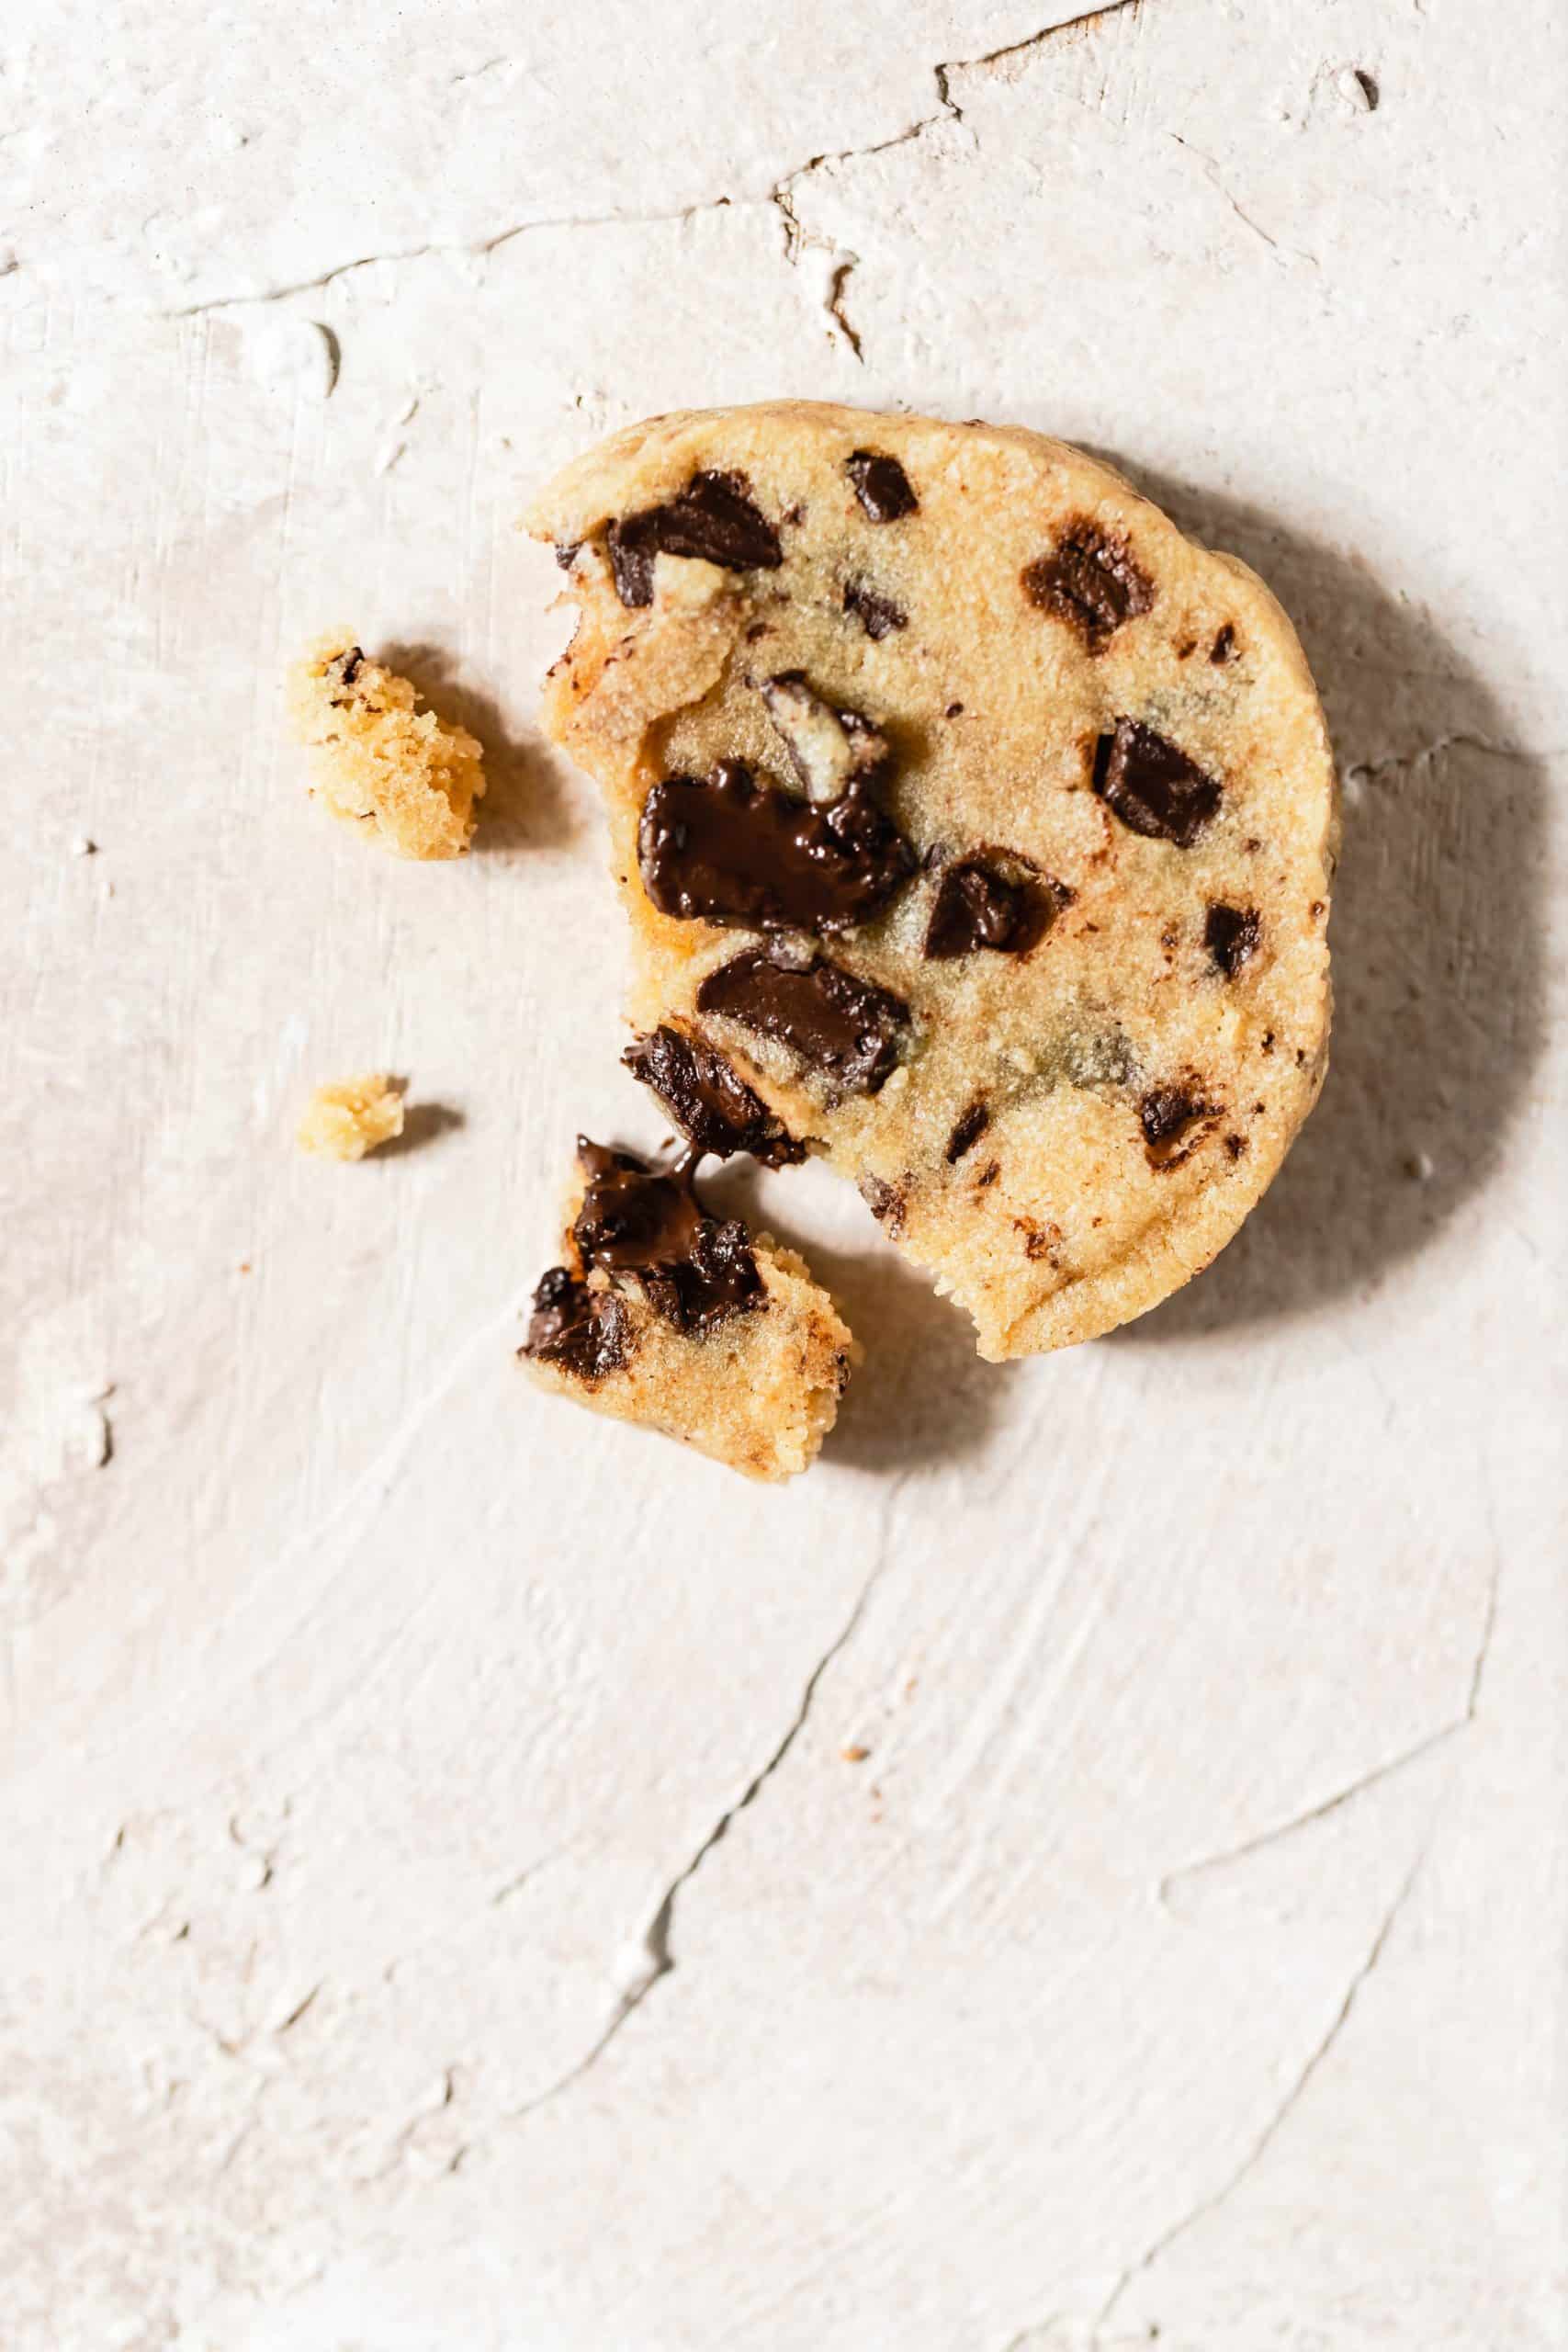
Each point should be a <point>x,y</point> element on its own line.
<point>1223,647</point>
<point>1231,935</point>
<point>1175,1120</point>
<point>1153,787</point>
<point>886,1201</point>
<point>567,553</point>
<point>980,903</point>
<point>708,1099</point>
<point>842,1026</point>
<point>1091,580</point>
<point>878,615</point>
<point>584,1331</point>
<point>828,749</point>
<point>881,485</point>
<point>650,1224</point>
<point>714,518</point>
<point>968,1131</point>
<point>725,849</point>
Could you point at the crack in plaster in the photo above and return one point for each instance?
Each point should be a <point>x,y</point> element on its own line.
<point>656,1945</point>
<point>1265,2139</point>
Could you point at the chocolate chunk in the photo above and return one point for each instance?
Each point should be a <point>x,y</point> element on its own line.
<point>342,672</point>
<point>727,850</point>
<point>830,750</point>
<point>1175,1120</point>
<point>1231,935</point>
<point>1092,581</point>
<point>886,1201</point>
<point>980,903</point>
<point>1235,1146</point>
<point>843,1027</point>
<point>953,711</point>
<point>649,1224</point>
<point>1223,647</point>
<point>881,485</point>
<point>1153,787</point>
<point>712,518</point>
<point>878,615</point>
<point>968,1131</point>
<point>584,1331</point>
<point>708,1099</point>
<point>987,1175</point>
<point>567,553</point>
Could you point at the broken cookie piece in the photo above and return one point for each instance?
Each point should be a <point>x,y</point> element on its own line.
<point>663,1315</point>
<point>351,1116</point>
<point>377,761</point>
<point>932,826</point>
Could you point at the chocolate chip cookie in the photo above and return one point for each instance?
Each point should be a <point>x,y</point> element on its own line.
<point>663,1315</point>
<point>976,829</point>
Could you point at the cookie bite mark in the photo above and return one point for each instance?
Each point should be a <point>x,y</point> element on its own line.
<point>581,1330</point>
<point>708,1099</point>
<point>1175,1121</point>
<point>967,1132</point>
<point>726,850</point>
<point>1091,581</point>
<point>1232,934</point>
<point>882,486</point>
<point>844,1029</point>
<point>649,1225</point>
<point>993,901</point>
<point>1152,786</point>
<point>714,519</point>
<point>878,615</point>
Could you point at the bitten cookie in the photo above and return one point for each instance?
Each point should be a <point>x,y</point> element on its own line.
<point>972,822</point>
<point>663,1315</point>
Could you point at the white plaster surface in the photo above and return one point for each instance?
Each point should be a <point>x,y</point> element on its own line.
<point>437,1912</point>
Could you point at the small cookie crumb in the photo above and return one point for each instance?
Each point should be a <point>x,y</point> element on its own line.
<point>378,760</point>
<point>855,1754</point>
<point>350,1117</point>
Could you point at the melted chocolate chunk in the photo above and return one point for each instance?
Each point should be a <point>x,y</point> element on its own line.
<point>708,1099</point>
<point>584,1331</point>
<point>650,1224</point>
<point>881,485</point>
<point>1092,581</point>
<point>1223,647</point>
<point>878,615</point>
<point>726,850</point>
<point>1231,935</point>
<point>968,1131</point>
<point>843,1027</point>
<point>712,518</point>
<point>980,904</point>
<point>1175,1120</point>
<point>1153,787</point>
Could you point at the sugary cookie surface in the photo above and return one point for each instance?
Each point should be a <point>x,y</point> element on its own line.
<point>377,761</point>
<point>976,821</point>
<point>661,1315</point>
<point>350,1117</point>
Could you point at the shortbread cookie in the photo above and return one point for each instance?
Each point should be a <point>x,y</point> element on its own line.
<point>663,1315</point>
<point>977,822</point>
<point>377,761</point>
<point>351,1116</point>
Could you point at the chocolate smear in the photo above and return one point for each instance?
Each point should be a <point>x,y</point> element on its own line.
<point>881,485</point>
<point>1152,786</point>
<point>725,849</point>
<point>708,1099</point>
<point>581,1330</point>
<point>844,1028</point>
<point>1090,580</point>
<point>714,518</point>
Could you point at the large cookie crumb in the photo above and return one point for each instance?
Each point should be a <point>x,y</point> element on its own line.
<point>377,761</point>
<point>350,1117</point>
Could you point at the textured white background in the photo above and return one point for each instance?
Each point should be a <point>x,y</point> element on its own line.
<point>437,1914</point>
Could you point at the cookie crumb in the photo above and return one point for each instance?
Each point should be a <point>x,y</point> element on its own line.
<point>855,1755</point>
<point>351,1116</point>
<point>82,847</point>
<point>378,760</point>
